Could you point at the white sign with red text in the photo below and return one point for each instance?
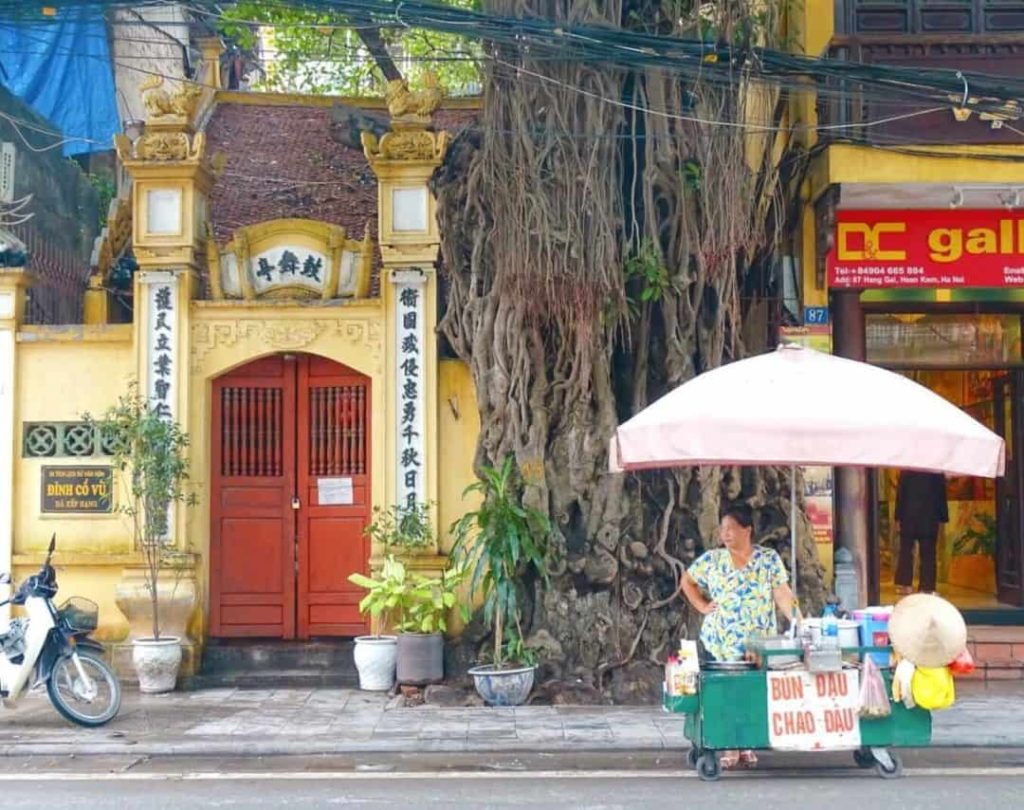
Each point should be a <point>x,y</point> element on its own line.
<point>814,711</point>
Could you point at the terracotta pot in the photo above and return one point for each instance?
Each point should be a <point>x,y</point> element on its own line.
<point>157,662</point>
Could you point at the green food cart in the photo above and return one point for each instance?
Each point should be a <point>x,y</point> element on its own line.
<point>783,709</point>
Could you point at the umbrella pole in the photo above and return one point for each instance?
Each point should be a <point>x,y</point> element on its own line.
<point>792,523</point>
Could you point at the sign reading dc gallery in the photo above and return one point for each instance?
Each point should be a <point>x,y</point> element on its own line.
<point>943,248</point>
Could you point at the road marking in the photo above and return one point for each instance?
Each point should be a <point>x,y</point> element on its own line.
<point>324,776</point>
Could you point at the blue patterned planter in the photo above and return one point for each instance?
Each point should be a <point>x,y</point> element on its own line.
<point>503,687</point>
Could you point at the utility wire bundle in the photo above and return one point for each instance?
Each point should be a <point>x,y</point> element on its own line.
<point>540,39</point>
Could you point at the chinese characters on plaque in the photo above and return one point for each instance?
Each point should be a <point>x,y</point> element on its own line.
<point>290,265</point>
<point>409,292</point>
<point>162,356</point>
<point>162,352</point>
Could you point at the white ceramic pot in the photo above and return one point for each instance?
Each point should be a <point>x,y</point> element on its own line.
<point>157,662</point>
<point>375,661</point>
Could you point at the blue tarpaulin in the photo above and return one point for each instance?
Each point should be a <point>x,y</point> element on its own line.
<point>62,68</point>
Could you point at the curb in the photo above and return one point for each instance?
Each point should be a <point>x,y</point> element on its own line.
<point>299,748</point>
<point>239,748</point>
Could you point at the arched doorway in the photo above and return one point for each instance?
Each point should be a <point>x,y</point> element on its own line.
<point>290,498</point>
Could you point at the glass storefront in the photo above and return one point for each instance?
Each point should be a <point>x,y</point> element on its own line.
<point>974,361</point>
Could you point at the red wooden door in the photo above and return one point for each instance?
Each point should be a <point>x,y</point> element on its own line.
<point>334,482</point>
<point>285,430</point>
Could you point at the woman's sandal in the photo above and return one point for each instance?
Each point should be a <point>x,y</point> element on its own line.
<point>748,759</point>
<point>729,760</point>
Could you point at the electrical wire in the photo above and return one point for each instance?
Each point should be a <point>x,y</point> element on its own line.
<point>906,82</point>
<point>521,70</point>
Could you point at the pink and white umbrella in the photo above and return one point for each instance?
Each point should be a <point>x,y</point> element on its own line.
<point>799,407</point>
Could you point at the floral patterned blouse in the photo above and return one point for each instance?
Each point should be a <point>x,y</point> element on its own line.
<point>744,598</point>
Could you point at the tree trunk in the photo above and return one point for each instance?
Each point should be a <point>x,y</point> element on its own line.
<point>542,209</point>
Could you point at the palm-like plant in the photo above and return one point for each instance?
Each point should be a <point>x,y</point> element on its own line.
<point>501,542</point>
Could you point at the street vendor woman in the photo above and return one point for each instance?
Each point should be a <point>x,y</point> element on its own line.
<point>745,583</point>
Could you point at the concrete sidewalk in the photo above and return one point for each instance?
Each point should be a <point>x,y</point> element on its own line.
<point>323,721</point>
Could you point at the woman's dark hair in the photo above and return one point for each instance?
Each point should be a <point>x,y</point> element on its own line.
<point>741,513</point>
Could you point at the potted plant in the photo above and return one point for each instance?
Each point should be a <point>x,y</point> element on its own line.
<point>375,654</point>
<point>421,632</point>
<point>502,542</point>
<point>149,452</point>
<point>407,528</point>
<point>420,604</point>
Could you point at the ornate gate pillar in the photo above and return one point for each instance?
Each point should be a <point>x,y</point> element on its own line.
<point>171,177</point>
<point>403,160</point>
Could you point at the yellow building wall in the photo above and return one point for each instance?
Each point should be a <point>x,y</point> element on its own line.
<point>458,433</point>
<point>459,429</point>
<point>63,372</point>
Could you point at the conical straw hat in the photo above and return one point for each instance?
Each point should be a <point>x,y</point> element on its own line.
<point>927,630</point>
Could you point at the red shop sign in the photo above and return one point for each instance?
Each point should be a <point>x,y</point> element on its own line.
<point>944,248</point>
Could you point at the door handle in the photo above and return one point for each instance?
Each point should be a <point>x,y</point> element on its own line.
<point>295,503</point>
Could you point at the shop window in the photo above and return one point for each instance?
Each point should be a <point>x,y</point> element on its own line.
<point>944,340</point>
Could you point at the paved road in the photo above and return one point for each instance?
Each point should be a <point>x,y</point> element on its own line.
<point>937,779</point>
<point>555,791</point>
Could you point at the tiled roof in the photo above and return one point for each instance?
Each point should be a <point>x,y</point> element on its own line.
<point>282,162</point>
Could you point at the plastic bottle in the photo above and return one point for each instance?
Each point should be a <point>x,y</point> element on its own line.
<point>829,628</point>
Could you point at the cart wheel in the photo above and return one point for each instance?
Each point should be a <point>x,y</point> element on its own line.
<point>893,772</point>
<point>864,758</point>
<point>691,757</point>
<point>708,767</point>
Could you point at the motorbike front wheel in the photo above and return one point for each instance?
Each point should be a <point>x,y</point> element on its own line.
<point>76,699</point>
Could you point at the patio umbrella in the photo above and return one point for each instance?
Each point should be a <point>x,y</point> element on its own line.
<point>799,407</point>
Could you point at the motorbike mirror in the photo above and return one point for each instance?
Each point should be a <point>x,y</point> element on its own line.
<point>53,543</point>
<point>5,579</point>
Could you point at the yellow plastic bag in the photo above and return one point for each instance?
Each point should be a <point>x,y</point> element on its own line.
<point>933,688</point>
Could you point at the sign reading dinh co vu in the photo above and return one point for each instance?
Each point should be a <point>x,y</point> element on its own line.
<point>67,490</point>
<point>942,248</point>
<point>814,711</point>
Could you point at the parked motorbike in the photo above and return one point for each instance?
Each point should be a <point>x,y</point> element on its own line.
<point>52,645</point>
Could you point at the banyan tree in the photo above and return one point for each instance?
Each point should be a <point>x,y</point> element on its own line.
<point>609,232</point>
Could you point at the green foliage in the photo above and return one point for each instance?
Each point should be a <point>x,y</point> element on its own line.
<point>652,277</point>
<point>407,527</point>
<point>979,538</point>
<point>431,600</point>
<point>105,191</point>
<point>318,52</point>
<point>150,455</point>
<point>387,595</point>
<point>406,601</point>
<point>502,542</point>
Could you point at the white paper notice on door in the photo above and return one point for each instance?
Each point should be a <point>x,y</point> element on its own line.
<point>334,491</point>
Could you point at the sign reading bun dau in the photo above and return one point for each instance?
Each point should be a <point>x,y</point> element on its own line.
<point>814,711</point>
<point>943,248</point>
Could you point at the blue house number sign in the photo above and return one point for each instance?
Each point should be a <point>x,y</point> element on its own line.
<point>815,315</point>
